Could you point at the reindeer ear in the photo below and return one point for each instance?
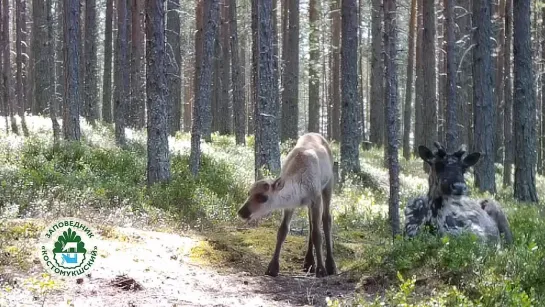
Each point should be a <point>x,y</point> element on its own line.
<point>472,159</point>
<point>278,184</point>
<point>425,153</point>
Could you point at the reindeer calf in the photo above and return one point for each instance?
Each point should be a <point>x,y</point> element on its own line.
<point>306,180</point>
<point>447,206</point>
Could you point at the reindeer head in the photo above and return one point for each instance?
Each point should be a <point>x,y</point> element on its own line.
<point>447,170</point>
<point>261,199</point>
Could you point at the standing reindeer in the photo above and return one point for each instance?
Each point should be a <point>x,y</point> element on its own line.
<point>447,207</point>
<point>306,180</point>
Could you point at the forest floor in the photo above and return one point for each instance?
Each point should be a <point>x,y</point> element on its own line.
<point>169,269</point>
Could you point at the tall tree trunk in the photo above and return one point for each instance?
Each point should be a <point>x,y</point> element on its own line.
<point>290,79</point>
<point>40,72</point>
<point>429,114</point>
<point>524,105</point>
<point>252,106</point>
<point>407,110</point>
<point>174,70</point>
<point>21,28</point>
<point>508,95</point>
<point>199,34</point>
<point>390,45</point>
<point>137,96</point>
<point>225,101</point>
<point>204,91</point>
<point>542,79</point>
<point>237,75</point>
<point>71,124</point>
<point>313,68</point>
<point>107,77</point>
<point>55,38</point>
<point>121,103</point>
<point>465,76</point>
<point>8,74</point>
<point>499,107</point>
<point>350,162</point>
<point>452,107</point>
<point>483,96</point>
<point>90,77</point>
<point>419,83</point>
<point>336,71</point>
<point>377,76</point>
<point>158,154</point>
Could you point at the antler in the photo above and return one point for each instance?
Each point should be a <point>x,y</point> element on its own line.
<point>441,151</point>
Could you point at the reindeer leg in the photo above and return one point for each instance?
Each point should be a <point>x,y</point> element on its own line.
<point>316,213</point>
<point>327,220</point>
<point>309,264</point>
<point>274,265</point>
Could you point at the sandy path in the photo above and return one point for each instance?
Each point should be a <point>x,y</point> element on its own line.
<point>160,263</point>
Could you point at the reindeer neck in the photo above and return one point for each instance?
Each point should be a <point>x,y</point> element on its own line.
<point>291,196</point>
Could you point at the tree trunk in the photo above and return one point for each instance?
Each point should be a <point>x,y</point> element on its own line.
<point>204,92</point>
<point>199,34</point>
<point>237,75</point>
<point>483,96</point>
<point>524,105</point>
<point>21,74</point>
<point>508,95</point>
<point>40,72</point>
<point>542,79</point>
<point>137,97</point>
<point>90,76</point>
<point>267,148</point>
<point>377,76</point>
<point>71,125</point>
<point>55,38</point>
<point>452,107</point>
<point>290,78</point>
<point>313,68</point>
<point>8,74</point>
<point>419,83</point>
<point>499,107</point>
<point>429,114</point>
<point>225,101</point>
<point>465,76</point>
<point>122,102</point>
<point>350,162</point>
<point>390,46</point>
<point>158,154</point>
<point>336,71</point>
<point>107,77</point>
<point>174,68</point>
<point>407,110</point>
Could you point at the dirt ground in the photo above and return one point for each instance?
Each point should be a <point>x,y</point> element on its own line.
<point>164,274</point>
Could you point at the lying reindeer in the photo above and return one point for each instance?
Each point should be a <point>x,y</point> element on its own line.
<point>447,207</point>
<point>306,179</point>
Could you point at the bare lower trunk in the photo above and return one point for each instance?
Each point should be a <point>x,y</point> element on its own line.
<point>508,94</point>
<point>71,114</point>
<point>407,112</point>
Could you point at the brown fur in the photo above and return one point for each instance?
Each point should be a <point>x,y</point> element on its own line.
<point>306,180</point>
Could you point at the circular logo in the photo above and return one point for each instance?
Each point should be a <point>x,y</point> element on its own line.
<point>68,248</point>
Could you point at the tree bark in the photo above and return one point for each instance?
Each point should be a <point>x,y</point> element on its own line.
<point>336,71</point>
<point>390,44</point>
<point>349,55</point>
<point>204,92</point>
<point>237,75</point>
<point>56,38</point>
<point>313,68</point>
<point>122,102</point>
<point>90,76</point>
<point>174,68</point>
<point>452,106</point>
<point>267,147</point>
<point>41,73</point>
<point>290,78</point>
<point>524,105</point>
<point>429,115</point>
<point>483,96</point>
<point>225,101</point>
<point>71,110</point>
<point>508,95</point>
<point>377,76</point>
<point>20,21</point>
<point>8,74</point>
<point>407,110</point>
<point>137,97</point>
<point>419,83</point>
<point>156,87</point>
<point>107,77</point>
<point>465,76</point>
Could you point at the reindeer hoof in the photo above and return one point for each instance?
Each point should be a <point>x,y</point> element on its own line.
<point>321,272</point>
<point>331,267</point>
<point>273,269</point>
<point>309,267</point>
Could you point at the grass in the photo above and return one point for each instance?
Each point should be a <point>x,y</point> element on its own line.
<point>94,179</point>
